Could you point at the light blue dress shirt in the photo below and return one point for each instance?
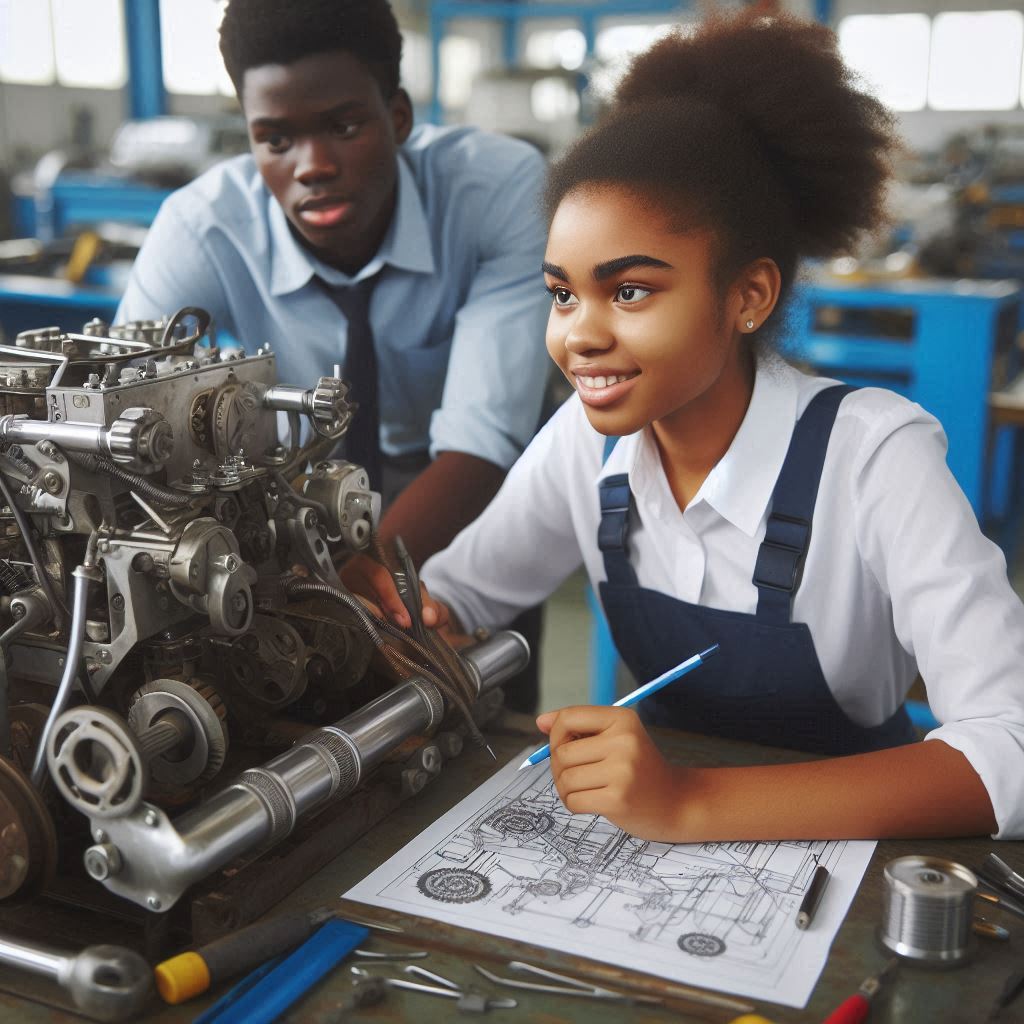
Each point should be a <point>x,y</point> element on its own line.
<point>458,314</point>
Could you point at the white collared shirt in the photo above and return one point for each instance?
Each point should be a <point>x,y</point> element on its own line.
<point>898,578</point>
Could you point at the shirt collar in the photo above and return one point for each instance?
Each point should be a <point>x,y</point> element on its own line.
<point>406,246</point>
<point>740,486</point>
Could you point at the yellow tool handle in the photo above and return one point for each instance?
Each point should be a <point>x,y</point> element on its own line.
<point>751,1018</point>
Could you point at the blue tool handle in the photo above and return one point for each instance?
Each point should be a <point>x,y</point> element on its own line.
<point>292,978</point>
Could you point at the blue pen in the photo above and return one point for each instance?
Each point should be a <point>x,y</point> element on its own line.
<point>637,695</point>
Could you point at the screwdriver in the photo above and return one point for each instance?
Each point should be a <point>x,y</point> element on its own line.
<point>856,1008</point>
<point>188,974</point>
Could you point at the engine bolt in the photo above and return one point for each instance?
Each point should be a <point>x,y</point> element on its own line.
<point>151,819</point>
<point>53,482</point>
<point>103,861</point>
<point>117,602</point>
<point>153,903</point>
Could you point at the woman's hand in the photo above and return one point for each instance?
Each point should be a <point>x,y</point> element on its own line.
<point>369,579</point>
<point>604,762</point>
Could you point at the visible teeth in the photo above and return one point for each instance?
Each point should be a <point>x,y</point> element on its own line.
<point>604,382</point>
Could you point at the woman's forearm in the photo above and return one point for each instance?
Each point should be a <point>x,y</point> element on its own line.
<point>923,789</point>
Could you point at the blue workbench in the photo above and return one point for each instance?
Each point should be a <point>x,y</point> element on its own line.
<point>944,344</point>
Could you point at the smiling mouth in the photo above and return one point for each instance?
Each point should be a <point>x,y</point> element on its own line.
<point>599,382</point>
<point>600,390</point>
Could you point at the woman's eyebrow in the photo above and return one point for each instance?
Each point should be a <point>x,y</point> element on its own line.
<point>554,270</point>
<point>602,271</point>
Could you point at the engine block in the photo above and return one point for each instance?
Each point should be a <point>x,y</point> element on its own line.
<point>171,612</point>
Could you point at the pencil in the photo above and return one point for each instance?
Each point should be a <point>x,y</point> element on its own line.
<point>637,695</point>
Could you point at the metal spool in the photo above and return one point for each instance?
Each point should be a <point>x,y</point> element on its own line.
<point>927,909</point>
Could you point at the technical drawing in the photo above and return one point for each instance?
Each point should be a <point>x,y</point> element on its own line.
<point>515,862</point>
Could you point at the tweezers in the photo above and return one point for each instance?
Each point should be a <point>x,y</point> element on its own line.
<point>569,987</point>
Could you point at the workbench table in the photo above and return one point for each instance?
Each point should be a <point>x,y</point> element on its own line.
<point>912,993</point>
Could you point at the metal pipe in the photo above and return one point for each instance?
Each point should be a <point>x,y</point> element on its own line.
<point>157,859</point>
<point>287,398</point>
<point>137,436</point>
<point>31,956</point>
<point>85,574</point>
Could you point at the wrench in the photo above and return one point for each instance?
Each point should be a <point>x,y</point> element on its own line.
<point>109,983</point>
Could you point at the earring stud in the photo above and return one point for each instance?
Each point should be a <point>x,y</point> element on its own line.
<point>750,325</point>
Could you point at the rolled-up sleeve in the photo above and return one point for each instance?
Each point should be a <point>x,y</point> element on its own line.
<point>952,604</point>
<point>173,269</point>
<point>498,364</point>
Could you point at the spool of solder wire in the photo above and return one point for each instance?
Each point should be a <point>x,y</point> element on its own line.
<point>927,909</point>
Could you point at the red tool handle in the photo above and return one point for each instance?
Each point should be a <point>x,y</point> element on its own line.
<point>850,1011</point>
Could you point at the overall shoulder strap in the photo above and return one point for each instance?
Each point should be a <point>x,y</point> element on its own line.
<point>781,556</point>
<point>613,531</point>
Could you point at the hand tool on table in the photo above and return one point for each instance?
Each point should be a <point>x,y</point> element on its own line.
<point>369,954</point>
<point>999,900</point>
<point>638,695</point>
<point>190,973</point>
<point>569,986</point>
<point>364,992</point>
<point>855,1008</point>
<point>989,929</point>
<point>1013,987</point>
<point>999,875</point>
<point>110,983</point>
<point>263,998</point>
<point>469,1000</point>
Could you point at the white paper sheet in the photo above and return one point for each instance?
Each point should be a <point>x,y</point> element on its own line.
<point>510,860</point>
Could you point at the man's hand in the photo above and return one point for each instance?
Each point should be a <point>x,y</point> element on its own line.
<point>604,762</point>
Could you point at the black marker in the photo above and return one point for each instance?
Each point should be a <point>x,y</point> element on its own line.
<point>812,897</point>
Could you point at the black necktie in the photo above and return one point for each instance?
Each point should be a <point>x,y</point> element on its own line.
<point>362,442</point>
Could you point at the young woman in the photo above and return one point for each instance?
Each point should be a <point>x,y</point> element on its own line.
<point>812,530</point>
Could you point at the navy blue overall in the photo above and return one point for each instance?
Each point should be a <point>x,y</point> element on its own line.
<point>765,684</point>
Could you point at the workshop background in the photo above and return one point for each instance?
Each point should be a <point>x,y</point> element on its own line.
<point>107,105</point>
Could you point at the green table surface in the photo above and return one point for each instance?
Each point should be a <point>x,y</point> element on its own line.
<point>912,993</point>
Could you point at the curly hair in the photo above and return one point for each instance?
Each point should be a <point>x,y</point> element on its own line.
<point>257,32</point>
<point>751,127</point>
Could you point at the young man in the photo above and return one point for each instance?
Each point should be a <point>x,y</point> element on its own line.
<point>341,202</point>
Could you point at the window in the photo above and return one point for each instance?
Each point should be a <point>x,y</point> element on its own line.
<point>26,42</point>
<point>415,68</point>
<point>556,48</point>
<point>976,61</point>
<point>618,43</point>
<point>88,40</point>
<point>191,49</point>
<point>462,59</point>
<point>553,99</point>
<point>890,53</point>
<point>64,41</point>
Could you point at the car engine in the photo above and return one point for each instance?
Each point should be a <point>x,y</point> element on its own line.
<point>183,677</point>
